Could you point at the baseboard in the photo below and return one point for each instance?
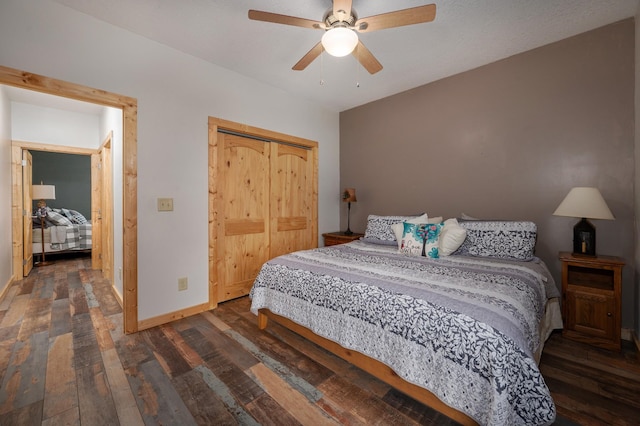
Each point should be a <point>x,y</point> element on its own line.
<point>117,295</point>
<point>636,340</point>
<point>6,287</point>
<point>172,316</point>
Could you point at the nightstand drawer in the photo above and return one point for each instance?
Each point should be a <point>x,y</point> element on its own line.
<point>335,238</point>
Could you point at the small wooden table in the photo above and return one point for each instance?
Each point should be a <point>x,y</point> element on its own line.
<point>591,289</point>
<point>334,238</point>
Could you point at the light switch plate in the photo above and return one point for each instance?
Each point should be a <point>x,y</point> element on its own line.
<point>165,204</point>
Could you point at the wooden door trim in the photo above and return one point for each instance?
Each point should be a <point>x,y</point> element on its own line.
<point>27,221</point>
<point>129,107</point>
<point>22,146</point>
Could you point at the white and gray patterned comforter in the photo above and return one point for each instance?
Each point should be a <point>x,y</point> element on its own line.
<point>464,328</point>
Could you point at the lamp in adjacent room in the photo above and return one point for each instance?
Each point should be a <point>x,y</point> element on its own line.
<point>349,196</point>
<point>42,192</point>
<point>585,203</point>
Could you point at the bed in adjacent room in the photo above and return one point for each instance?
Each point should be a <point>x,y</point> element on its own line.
<point>455,316</point>
<point>65,231</point>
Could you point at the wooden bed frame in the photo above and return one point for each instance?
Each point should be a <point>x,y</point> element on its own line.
<point>370,365</point>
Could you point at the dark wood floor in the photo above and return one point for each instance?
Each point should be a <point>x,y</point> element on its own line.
<point>64,360</point>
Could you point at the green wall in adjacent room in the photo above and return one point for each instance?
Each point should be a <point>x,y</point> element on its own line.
<point>71,175</point>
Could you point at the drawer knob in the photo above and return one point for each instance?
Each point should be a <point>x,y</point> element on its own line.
<point>608,314</point>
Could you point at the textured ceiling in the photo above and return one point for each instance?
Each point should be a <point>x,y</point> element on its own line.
<point>465,34</point>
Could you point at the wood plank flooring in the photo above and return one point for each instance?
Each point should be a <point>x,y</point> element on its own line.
<point>65,360</point>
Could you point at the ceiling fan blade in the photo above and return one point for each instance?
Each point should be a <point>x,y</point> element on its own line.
<point>342,9</point>
<point>366,58</point>
<point>258,15</point>
<point>414,15</point>
<point>309,57</point>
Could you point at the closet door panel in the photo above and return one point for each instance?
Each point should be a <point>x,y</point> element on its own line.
<point>244,184</point>
<point>292,195</point>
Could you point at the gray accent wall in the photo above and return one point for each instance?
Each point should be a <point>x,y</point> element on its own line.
<point>508,141</point>
<point>71,175</point>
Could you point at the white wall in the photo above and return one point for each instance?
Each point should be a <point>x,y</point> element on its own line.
<point>6,239</point>
<point>54,126</point>
<point>111,121</point>
<point>176,93</point>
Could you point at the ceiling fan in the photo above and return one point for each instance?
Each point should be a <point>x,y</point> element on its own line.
<point>341,25</point>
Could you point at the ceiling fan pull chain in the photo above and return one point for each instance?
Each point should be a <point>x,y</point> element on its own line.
<point>358,68</point>
<point>321,67</point>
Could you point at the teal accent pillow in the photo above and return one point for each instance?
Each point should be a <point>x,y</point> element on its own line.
<point>421,239</point>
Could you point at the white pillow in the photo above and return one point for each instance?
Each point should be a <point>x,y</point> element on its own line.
<point>451,237</point>
<point>467,217</point>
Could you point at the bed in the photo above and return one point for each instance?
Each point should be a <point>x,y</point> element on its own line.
<point>65,231</point>
<point>460,332</point>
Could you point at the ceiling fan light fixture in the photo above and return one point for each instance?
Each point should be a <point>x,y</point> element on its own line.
<point>339,41</point>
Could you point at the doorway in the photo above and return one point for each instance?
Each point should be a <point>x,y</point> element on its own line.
<point>25,80</point>
<point>87,182</point>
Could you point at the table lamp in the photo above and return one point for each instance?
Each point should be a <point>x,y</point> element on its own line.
<point>42,192</point>
<point>349,196</point>
<point>585,203</point>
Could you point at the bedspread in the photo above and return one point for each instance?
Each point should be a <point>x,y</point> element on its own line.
<point>463,328</point>
<point>78,237</point>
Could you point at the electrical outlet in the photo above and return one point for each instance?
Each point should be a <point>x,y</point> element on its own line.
<point>165,204</point>
<point>183,283</point>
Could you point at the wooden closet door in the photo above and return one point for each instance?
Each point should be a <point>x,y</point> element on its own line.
<point>292,199</point>
<point>244,201</point>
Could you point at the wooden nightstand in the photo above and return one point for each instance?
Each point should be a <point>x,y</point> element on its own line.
<point>333,238</point>
<point>591,288</point>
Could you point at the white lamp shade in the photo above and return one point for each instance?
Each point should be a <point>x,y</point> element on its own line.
<point>43,192</point>
<point>585,203</point>
<point>339,41</point>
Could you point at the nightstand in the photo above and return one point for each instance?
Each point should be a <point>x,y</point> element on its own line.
<point>591,288</point>
<point>334,238</point>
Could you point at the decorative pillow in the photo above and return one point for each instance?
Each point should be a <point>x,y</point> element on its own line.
<point>57,219</point>
<point>74,216</point>
<point>379,228</point>
<point>421,239</point>
<point>398,228</point>
<point>501,239</point>
<point>451,237</point>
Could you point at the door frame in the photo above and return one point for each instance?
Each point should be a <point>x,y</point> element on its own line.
<point>18,148</point>
<point>129,107</point>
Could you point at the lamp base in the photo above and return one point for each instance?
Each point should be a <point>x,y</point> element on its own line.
<point>584,238</point>
<point>43,263</point>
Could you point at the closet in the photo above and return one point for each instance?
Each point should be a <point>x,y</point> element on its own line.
<point>263,202</point>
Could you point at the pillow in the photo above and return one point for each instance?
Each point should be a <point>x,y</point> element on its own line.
<point>467,217</point>
<point>57,219</point>
<point>500,239</point>
<point>421,239</point>
<point>451,237</point>
<point>74,216</point>
<point>398,228</point>
<point>379,228</point>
